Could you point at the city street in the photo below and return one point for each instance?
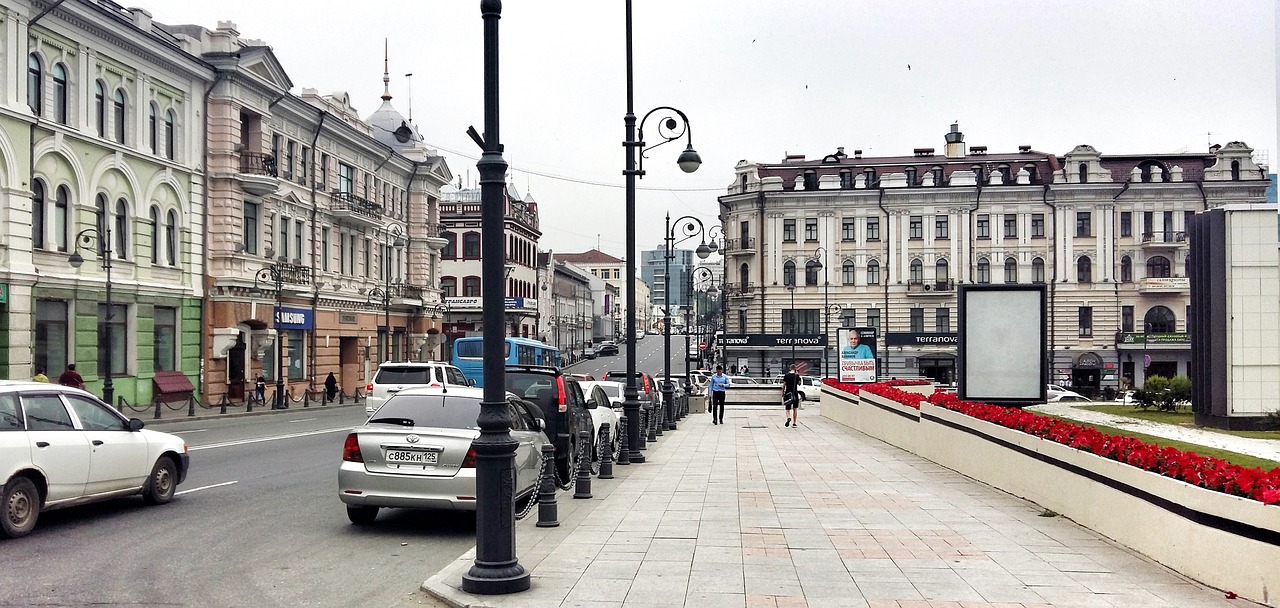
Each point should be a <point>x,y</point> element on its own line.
<point>257,523</point>
<point>648,358</point>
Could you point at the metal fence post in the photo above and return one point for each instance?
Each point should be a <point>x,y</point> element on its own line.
<point>624,455</point>
<point>606,456</point>
<point>548,511</point>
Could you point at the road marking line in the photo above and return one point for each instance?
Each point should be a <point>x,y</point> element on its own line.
<point>216,485</point>
<point>227,444</point>
<point>300,420</point>
<point>191,431</point>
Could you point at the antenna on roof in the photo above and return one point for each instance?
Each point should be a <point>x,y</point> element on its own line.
<point>409,83</point>
<point>386,71</point>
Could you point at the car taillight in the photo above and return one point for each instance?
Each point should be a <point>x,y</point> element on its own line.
<point>470,461</point>
<point>351,449</point>
<point>368,388</point>
<point>563,398</point>
<point>646,385</point>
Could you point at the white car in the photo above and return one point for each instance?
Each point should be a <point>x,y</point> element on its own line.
<point>392,378</point>
<point>61,446</point>
<point>612,390</point>
<point>603,409</point>
<point>1056,393</point>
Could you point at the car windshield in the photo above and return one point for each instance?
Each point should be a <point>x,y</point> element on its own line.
<point>538,388</point>
<point>436,411</point>
<point>403,375</point>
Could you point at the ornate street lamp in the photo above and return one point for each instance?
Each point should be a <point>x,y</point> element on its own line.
<point>690,227</point>
<point>87,236</point>
<point>495,569</point>
<point>820,254</point>
<point>275,274</point>
<point>669,130</point>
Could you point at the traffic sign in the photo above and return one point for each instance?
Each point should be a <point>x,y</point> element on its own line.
<point>702,346</point>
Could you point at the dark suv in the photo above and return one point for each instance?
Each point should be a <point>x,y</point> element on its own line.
<point>646,385</point>
<point>563,405</point>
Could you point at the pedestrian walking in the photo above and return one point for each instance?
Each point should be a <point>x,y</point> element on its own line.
<point>716,391</point>
<point>39,377</point>
<point>71,377</point>
<point>331,388</point>
<point>260,389</point>
<point>791,396</point>
<point>745,371</point>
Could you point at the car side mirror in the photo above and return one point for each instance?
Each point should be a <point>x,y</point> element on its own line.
<point>135,425</point>
<point>471,381</point>
<point>540,423</point>
<point>591,405</point>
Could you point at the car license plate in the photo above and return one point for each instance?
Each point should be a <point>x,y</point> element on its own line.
<point>411,457</point>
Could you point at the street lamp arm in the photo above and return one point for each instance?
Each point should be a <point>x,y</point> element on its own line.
<point>669,129</point>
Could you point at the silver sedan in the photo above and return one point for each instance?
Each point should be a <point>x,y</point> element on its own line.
<point>416,452</point>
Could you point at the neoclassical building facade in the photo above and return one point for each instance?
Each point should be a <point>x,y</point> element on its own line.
<point>883,242</point>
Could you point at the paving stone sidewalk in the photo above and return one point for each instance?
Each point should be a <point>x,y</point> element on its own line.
<point>754,514</point>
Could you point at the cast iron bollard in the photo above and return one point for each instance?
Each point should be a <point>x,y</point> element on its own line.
<point>643,424</point>
<point>624,455</point>
<point>583,487</point>
<point>606,457</point>
<point>672,413</point>
<point>655,416</point>
<point>660,418</point>
<point>548,511</point>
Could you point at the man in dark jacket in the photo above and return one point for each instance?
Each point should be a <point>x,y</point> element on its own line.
<point>791,395</point>
<point>71,377</point>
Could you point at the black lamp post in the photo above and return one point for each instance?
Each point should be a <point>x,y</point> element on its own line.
<point>669,130</point>
<point>704,275</point>
<point>819,254</point>
<point>495,569</point>
<point>87,236</point>
<point>275,274</point>
<point>689,227</point>
<point>791,287</point>
<point>384,293</point>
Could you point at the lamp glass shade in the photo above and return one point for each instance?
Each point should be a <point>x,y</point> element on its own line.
<point>712,246</point>
<point>398,243</point>
<point>75,259</point>
<point>703,251</point>
<point>712,291</point>
<point>689,160</point>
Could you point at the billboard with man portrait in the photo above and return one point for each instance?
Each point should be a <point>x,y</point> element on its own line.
<point>857,348</point>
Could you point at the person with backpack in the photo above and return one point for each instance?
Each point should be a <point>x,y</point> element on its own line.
<point>791,396</point>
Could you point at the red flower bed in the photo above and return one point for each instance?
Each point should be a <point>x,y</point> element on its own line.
<point>1203,471</point>
<point>850,387</point>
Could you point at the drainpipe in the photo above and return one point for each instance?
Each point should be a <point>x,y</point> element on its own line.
<point>884,280</point>
<point>760,252</point>
<point>416,312</point>
<point>315,214</point>
<point>1204,198</point>
<point>1053,278</point>
<point>977,202</point>
<point>204,259</point>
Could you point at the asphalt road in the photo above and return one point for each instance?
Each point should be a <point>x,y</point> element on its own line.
<point>257,523</point>
<point>648,358</point>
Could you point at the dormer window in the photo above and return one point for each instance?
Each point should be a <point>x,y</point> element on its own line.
<point>846,180</point>
<point>810,180</point>
<point>937,176</point>
<point>1235,170</point>
<point>871,177</point>
<point>911,177</point>
<point>1083,173</point>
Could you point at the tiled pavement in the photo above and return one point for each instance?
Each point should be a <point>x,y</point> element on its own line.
<point>753,514</point>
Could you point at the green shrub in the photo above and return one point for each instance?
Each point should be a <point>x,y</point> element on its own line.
<point>1162,393</point>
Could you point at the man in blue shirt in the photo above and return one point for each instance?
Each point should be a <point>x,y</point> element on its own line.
<point>716,391</point>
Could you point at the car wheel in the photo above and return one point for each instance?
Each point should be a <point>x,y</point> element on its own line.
<point>362,515</point>
<point>21,507</point>
<point>162,483</point>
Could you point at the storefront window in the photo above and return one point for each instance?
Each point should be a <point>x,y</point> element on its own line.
<point>166,342</point>
<point>113,354</point>
<point>51,336</point>
<point>296,350</point>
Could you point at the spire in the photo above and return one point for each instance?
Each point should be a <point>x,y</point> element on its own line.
<point>386,71</point>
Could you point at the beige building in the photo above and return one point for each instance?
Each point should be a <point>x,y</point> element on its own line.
<point>614,272</point>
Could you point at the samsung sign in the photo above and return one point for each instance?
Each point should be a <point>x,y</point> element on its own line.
<point>771,340</point>
<point>293,318</point>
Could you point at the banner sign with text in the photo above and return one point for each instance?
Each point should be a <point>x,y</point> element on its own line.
<point>293,318</point>
<point>857,354</point>
<point>771,340</point>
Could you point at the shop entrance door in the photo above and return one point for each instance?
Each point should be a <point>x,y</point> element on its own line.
<point>1087,382</point>
<point>235,370</point>
<point>939,369</point>
<point>349,360</point>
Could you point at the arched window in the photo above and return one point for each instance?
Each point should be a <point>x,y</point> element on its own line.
<point>471,287</point>
<point>171,238</point>
<point>846,180</point>
<point>1158,266</point>
<point>1084,270</point>
<point>917,271</point>
<point>100,108</point>
<point>847,273</point>
<point>789,273</point>
<point>155,234</point>
<point>810,180</point>
<point>744,275</point>
<point>471,246</point>
<point>941,271</point>
<point>1037,270</point>
<point>170,145</point>
<point>100,220</point>
<point>117,112</point>
<point>449,285</point>
<point>911,176</point>
<point>61,216</point>
<point>1010,270</point>
<point>122,228</point>
<point>153,128</point>
<point>37,214</point>
<point>873,273</point>
<point>984,271</point>
<point>35,84</point>
<point>1235,170</point>
<point>1153,171</point>
<point>450,250</point>
<point>811,269</point>
<point>937,176</point>
<point>1083,172</point>
<point>60,93</point>
<point>1159,320</point>
<point>1126,270</point>
<point>871,177</point>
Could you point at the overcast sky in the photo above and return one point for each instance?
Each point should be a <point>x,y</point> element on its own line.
<point>762,78</point>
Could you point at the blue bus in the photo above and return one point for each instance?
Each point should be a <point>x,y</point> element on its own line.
<point>468,355</point>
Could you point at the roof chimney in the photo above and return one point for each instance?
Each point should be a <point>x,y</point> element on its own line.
<point>1024,148</point>
<point>955,142</point>
<point>857,153</point>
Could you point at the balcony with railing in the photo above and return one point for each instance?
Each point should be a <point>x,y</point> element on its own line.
<point>434,235</point>
<point>740,246</point>
<point>1164,240</point>
<point>258,173</point>
<point>943,287</point>
<point>1163,285</point>
<point>739,290</point>
<point>347,206</point>
<point>405,294</point>
<point>291,274</point>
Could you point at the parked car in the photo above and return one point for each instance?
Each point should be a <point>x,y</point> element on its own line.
<point>392,378</point>
<point>740,380</point>
<point>416,453</point>
<point>644,383</point>
<point>1056,393</point>
<point>589,352</point>
<point>562,405</point>
<point>810,387</point>
<point>607,348</point>
<point>61,446</point>
<point>612,390</point>
<point>583,377</point>
<point>600,406</point>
